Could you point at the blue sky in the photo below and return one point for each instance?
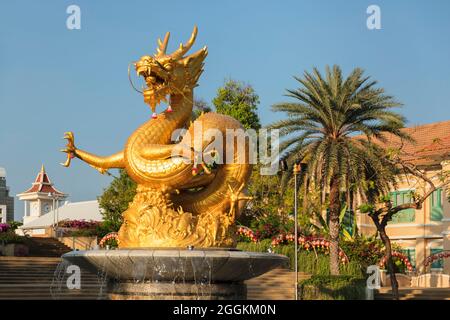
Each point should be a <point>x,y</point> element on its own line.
<point>53,79</point>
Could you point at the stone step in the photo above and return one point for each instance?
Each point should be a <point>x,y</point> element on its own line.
<point>32,290</point>
<point>35,278</point>
<point>415,294</point>
<point>26,268</point>
<point>29,273</point>
<point>54,298</point>
<point>45,280</point>
<point>28,260</point>
<point>48,282</point>
<point>7,286</point>
<point>49,296</point>
<point>277,284</point>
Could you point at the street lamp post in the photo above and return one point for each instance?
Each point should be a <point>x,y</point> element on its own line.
<point>50,195</point>
<point>296,172</point>
<point>55,198</point>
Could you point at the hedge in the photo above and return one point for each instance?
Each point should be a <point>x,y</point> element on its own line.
<point>11,237</point>
<point>340,287</point>
<point>308,261</point>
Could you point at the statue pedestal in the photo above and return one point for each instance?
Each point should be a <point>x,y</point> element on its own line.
<point>160,274</point>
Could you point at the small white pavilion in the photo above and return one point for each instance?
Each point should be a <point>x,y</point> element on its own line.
<point>41,198</point>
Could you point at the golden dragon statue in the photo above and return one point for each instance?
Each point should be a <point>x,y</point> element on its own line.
<point>181,199</point>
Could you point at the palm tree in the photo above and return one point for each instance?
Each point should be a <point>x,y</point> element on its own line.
<point>321,128</point>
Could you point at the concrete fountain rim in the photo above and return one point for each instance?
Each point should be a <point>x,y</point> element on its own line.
<point>207,252</point>
<point>227,265</point>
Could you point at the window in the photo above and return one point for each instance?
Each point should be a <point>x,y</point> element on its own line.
<point>348,222</point>
<point>404,216</point>
<point>438,264</point>
<point>436,208</point>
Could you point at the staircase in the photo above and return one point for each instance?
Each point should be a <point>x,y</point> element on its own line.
<point>35,278</point>
<point>415,294</point>
<point>278,284</point>
<point>46,247</point>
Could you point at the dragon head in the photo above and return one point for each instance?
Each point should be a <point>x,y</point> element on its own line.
<point>167,74</point>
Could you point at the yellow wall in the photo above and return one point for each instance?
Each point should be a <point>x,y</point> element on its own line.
<point>423,234</point>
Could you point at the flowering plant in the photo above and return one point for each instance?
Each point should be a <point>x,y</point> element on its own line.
<point>269,226</point>
<point>111,239</point>
<point>246,234</point>
<point>401,257</point>
<point>437,256</point>
<point>308,243</point>
<point>78,224</point>
<point>4,227</point>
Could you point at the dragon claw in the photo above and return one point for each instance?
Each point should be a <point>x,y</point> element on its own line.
<point>235,196</point>
<point>70,148</point>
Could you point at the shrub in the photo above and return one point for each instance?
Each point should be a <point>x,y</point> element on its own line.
<point>4,227</point>
<point>106,227</point>
<point>83,233</point>
<point>260,246</point>
<point>11,237</point>
<point>341,287</point>
<point>111,240</point>
<point>78,224</point>
<point>14,224</point>
<point>365,251</point>
<point>269,226</point>
<point>308,261</point>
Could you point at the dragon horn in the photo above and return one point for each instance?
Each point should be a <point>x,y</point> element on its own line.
<point>162,45</point>
<point>185,47</point>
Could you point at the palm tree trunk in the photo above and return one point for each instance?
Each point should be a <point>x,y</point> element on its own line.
<point>389,262</point>
<point>335,208</point>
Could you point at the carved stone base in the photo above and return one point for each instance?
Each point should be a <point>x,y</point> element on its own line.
<point>176,291</point>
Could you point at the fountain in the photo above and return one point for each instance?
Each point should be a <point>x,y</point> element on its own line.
<point>178,234</point>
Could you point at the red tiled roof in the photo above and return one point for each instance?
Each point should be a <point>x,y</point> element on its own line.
<point>431,145</point>
<point>43,184</point>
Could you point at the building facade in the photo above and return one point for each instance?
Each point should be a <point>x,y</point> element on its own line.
<point>426,231</point>
<point>43,226</point>
<point>6,201</point>
<point>41,198</point>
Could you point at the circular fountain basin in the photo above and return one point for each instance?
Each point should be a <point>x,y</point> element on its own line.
<point>176,273</point>
<point>177,264</point>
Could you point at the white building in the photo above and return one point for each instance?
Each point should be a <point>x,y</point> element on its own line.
<point>41,198</point>
<point>45,206</point>
<point>43,225</point>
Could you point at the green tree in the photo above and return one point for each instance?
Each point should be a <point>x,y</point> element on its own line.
<point>321,128</point>
<point>266,193</point>
<point>379,205</point>
<point>199,107</point>
<point>240,101</point>
<point>115,199</point>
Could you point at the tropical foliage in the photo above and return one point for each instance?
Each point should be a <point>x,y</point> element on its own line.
<point>323,287</point>
<point>7,235</point>
<point>115,199</point>
<point>240,101</point>
<point>330,126</point>
<point>78,224</point>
